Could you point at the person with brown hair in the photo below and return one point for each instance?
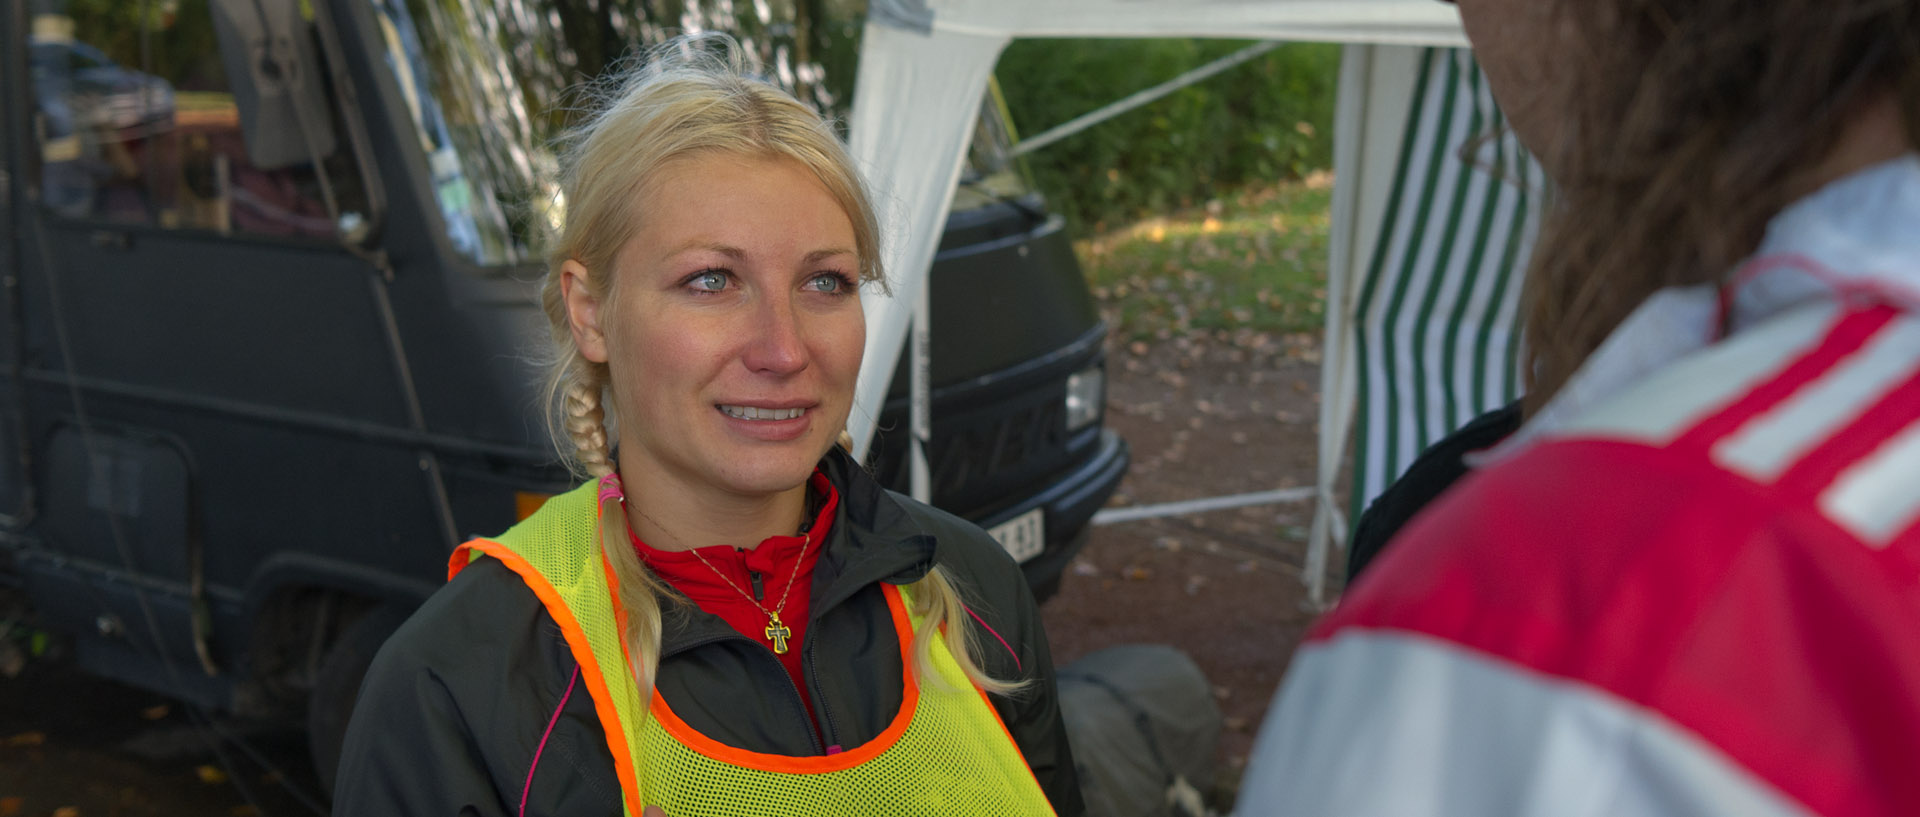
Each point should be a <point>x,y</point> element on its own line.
<point>730,617</point>
<point>1688,585</point>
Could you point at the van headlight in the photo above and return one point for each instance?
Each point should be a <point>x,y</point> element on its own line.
<point>1086,397</point>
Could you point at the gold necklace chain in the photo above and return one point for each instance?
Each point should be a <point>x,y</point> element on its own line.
<point>777,633</point>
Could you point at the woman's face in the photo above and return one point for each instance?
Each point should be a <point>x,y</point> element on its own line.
<point>734,333</point>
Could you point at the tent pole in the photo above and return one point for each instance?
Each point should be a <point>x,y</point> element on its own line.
<point>1110,516</point>
<point>921,423</point>
<point>1336,356</point>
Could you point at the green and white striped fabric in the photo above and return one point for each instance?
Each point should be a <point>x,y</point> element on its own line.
<point>1435,316</point>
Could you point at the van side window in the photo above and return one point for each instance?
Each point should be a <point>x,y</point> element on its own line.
<point>137,124</point>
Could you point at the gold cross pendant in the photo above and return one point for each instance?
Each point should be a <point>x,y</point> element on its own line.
<point>778,634</point>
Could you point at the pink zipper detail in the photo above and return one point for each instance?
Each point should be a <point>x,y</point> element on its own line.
<point>528,789</point>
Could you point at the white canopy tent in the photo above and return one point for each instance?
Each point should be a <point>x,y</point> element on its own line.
<point>924,64</point>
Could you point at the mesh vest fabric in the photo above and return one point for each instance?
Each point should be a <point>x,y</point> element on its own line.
<point>945,753</point>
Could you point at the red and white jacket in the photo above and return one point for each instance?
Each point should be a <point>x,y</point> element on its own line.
<point>1691,586</point>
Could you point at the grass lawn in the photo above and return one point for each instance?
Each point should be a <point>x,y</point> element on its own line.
<point>1255,259</point>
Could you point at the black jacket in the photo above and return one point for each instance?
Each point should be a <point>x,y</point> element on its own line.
<point>1432,473</point>
<point>456,703</point>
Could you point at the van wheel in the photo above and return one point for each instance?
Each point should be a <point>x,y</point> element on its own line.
<point>337,686</point>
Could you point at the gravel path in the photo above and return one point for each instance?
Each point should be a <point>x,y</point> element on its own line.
<point>1207,415</point>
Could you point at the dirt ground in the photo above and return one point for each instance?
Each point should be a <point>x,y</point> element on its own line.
<point>1206,414</point>
<point>73,745</point>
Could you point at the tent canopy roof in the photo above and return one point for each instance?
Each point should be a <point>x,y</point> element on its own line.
<point>924,66</point>
<point>1411,22</point>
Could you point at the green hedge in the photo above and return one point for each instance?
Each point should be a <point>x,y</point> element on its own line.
<point>1268,119</point>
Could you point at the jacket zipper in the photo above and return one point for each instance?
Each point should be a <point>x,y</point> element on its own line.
<point>799,704</point>
<point>828,730</point>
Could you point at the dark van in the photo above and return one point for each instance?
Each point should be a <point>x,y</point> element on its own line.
<point>269,315</point>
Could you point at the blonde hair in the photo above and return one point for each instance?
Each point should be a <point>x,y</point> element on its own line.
<point>689,97</point>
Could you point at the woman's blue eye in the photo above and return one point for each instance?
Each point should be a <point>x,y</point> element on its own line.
<point>709,281</point>
<point>829,283</point>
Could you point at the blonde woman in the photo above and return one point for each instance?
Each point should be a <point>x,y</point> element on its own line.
<point>731,617</point>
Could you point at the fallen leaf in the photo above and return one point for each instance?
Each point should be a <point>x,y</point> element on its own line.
<point>67,811</point>
<point>243,810</point>
<point>1137,573</point>
<point>1234,724</point>
<point>154,713</point>
<point>210,774</point>
<point>27,739</point>
<point>1082,567</point>
<point>1194,583</point>
<point>10,806</point>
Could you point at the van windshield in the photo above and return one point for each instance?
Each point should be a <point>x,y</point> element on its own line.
<point>490,84</point>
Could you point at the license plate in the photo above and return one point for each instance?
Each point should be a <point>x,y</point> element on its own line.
<point>1024,536</point>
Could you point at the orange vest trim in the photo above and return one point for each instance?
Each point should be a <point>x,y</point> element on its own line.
<point>909,700</point>
<point>577,642</point>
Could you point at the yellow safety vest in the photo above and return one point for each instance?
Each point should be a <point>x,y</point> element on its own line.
<point>945,753</point>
